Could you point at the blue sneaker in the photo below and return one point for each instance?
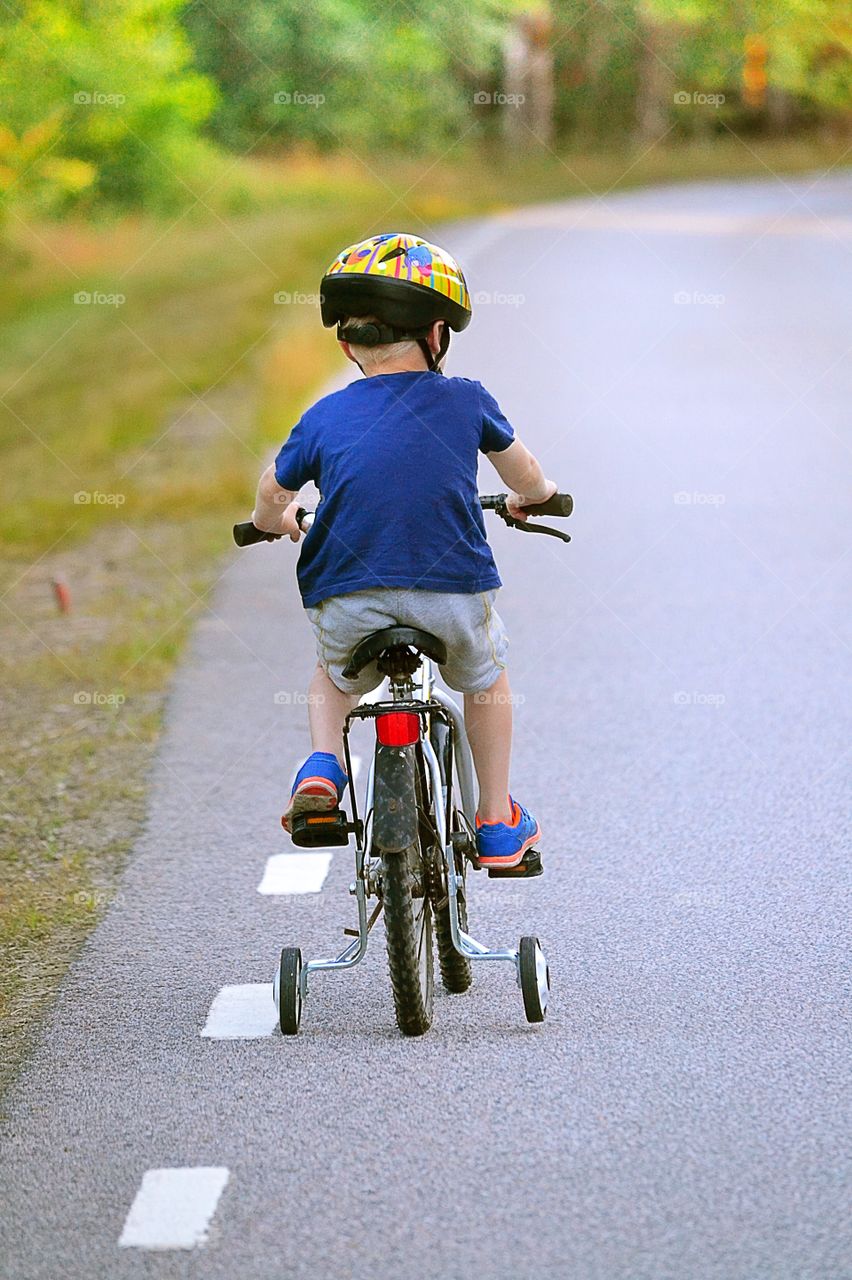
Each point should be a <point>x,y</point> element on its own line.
<point>318,787</point>
<point>503,844</point>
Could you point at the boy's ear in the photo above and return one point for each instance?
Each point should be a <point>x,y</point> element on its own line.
<point>347,351</point>
<point>434,338</point>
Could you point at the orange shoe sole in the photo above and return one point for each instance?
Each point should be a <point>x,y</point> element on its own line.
<point>313,795</point>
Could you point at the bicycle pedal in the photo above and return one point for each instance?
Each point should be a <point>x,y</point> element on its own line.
<point>320,830</point>
<point>529,866</point>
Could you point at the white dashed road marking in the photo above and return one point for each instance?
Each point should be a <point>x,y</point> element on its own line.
<point>173,1208</point>
<point>243,1012</point>
<point>295,873</point>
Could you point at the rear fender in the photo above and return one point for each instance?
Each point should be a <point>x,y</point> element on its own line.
<point>395,799</point>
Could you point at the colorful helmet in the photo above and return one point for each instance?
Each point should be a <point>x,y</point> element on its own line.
<point>402,280</point>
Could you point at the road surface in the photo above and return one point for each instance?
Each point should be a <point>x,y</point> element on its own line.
<point>680,360</point>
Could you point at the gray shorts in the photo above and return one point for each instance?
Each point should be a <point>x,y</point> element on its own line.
<point>469,625</point>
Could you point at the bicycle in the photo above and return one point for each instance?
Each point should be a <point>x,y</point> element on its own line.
<point>416,842</point>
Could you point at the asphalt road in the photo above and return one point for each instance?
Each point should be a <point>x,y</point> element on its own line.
<point>680,359</point>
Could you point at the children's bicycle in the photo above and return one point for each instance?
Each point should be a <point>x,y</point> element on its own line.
<point>416,841</point>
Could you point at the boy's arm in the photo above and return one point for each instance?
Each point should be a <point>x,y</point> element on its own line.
<point>521,472</point>
<point>275,508</point>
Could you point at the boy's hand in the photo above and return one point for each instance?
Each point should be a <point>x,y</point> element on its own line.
<point>288,522</point>
<point>515,501</point>
<point>282,523</point>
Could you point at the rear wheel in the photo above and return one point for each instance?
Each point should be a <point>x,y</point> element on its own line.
<point>408,930</point>
<point>456,971</point>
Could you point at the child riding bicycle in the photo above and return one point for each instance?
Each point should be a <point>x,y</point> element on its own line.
<point>399,537</point>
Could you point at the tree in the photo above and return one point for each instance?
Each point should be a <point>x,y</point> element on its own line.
<point>112,96</point>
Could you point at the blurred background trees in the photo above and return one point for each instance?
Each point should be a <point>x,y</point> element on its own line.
<point>99,102</point>
<point>106,104</point>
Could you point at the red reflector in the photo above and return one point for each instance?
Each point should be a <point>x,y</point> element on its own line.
<point>398,728</point>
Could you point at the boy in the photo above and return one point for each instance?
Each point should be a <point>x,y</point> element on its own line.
<point>399,536</point>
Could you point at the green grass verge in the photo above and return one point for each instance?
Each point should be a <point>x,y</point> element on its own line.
<point>161,410</point>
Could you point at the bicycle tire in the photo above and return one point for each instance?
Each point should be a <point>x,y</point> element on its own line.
<point>290,991</point>
<point>456,970</point>
<point>408,935</point>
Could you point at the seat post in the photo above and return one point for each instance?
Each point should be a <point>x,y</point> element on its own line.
<point>399,664</point>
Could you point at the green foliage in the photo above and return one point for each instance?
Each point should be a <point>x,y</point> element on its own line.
<point>103,98</point>
<point>137,103</point>
<point>344,73</point>
<point>609,56</point>
<point>27,159</point>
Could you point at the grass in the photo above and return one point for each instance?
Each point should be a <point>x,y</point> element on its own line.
<point>166,406</point>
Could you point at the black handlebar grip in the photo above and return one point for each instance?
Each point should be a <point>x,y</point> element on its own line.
<point>561,504</point>
<point>246,534</point>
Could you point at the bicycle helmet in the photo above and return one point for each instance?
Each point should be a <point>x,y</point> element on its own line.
<point>405,282</point>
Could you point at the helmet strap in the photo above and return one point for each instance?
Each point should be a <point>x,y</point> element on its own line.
<point>434,362</point>
<point>374,335</point>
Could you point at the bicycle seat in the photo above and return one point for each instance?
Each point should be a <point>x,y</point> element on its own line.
<point>378,642</point>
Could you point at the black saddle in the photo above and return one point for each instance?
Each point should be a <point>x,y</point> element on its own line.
<point>380,642</point>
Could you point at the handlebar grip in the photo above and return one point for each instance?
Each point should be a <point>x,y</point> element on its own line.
<point>246,534</point>
<point>560,504</point>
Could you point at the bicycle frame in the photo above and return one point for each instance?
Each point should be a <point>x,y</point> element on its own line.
<point>415,694</point>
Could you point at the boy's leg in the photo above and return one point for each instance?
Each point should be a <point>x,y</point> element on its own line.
<point>488,722</point>
<point>328,707</point>
<point>321,781</point>
<point>504,828</point>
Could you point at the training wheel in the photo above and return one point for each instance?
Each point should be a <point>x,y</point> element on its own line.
<point>287,991</point>
<point>534,978</point>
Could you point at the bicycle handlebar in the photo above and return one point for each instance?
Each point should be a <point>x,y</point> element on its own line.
<point>246,534</point>
<point>561,504</point>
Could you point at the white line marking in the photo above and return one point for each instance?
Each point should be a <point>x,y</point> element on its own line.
<point>295,873</point>
<point>173,1208</point>
<point>245,1012</point>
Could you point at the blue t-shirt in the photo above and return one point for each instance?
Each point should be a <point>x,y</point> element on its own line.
<point>395,459</point>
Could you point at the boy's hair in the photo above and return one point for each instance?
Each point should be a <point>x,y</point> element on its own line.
<point>380,353</point>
